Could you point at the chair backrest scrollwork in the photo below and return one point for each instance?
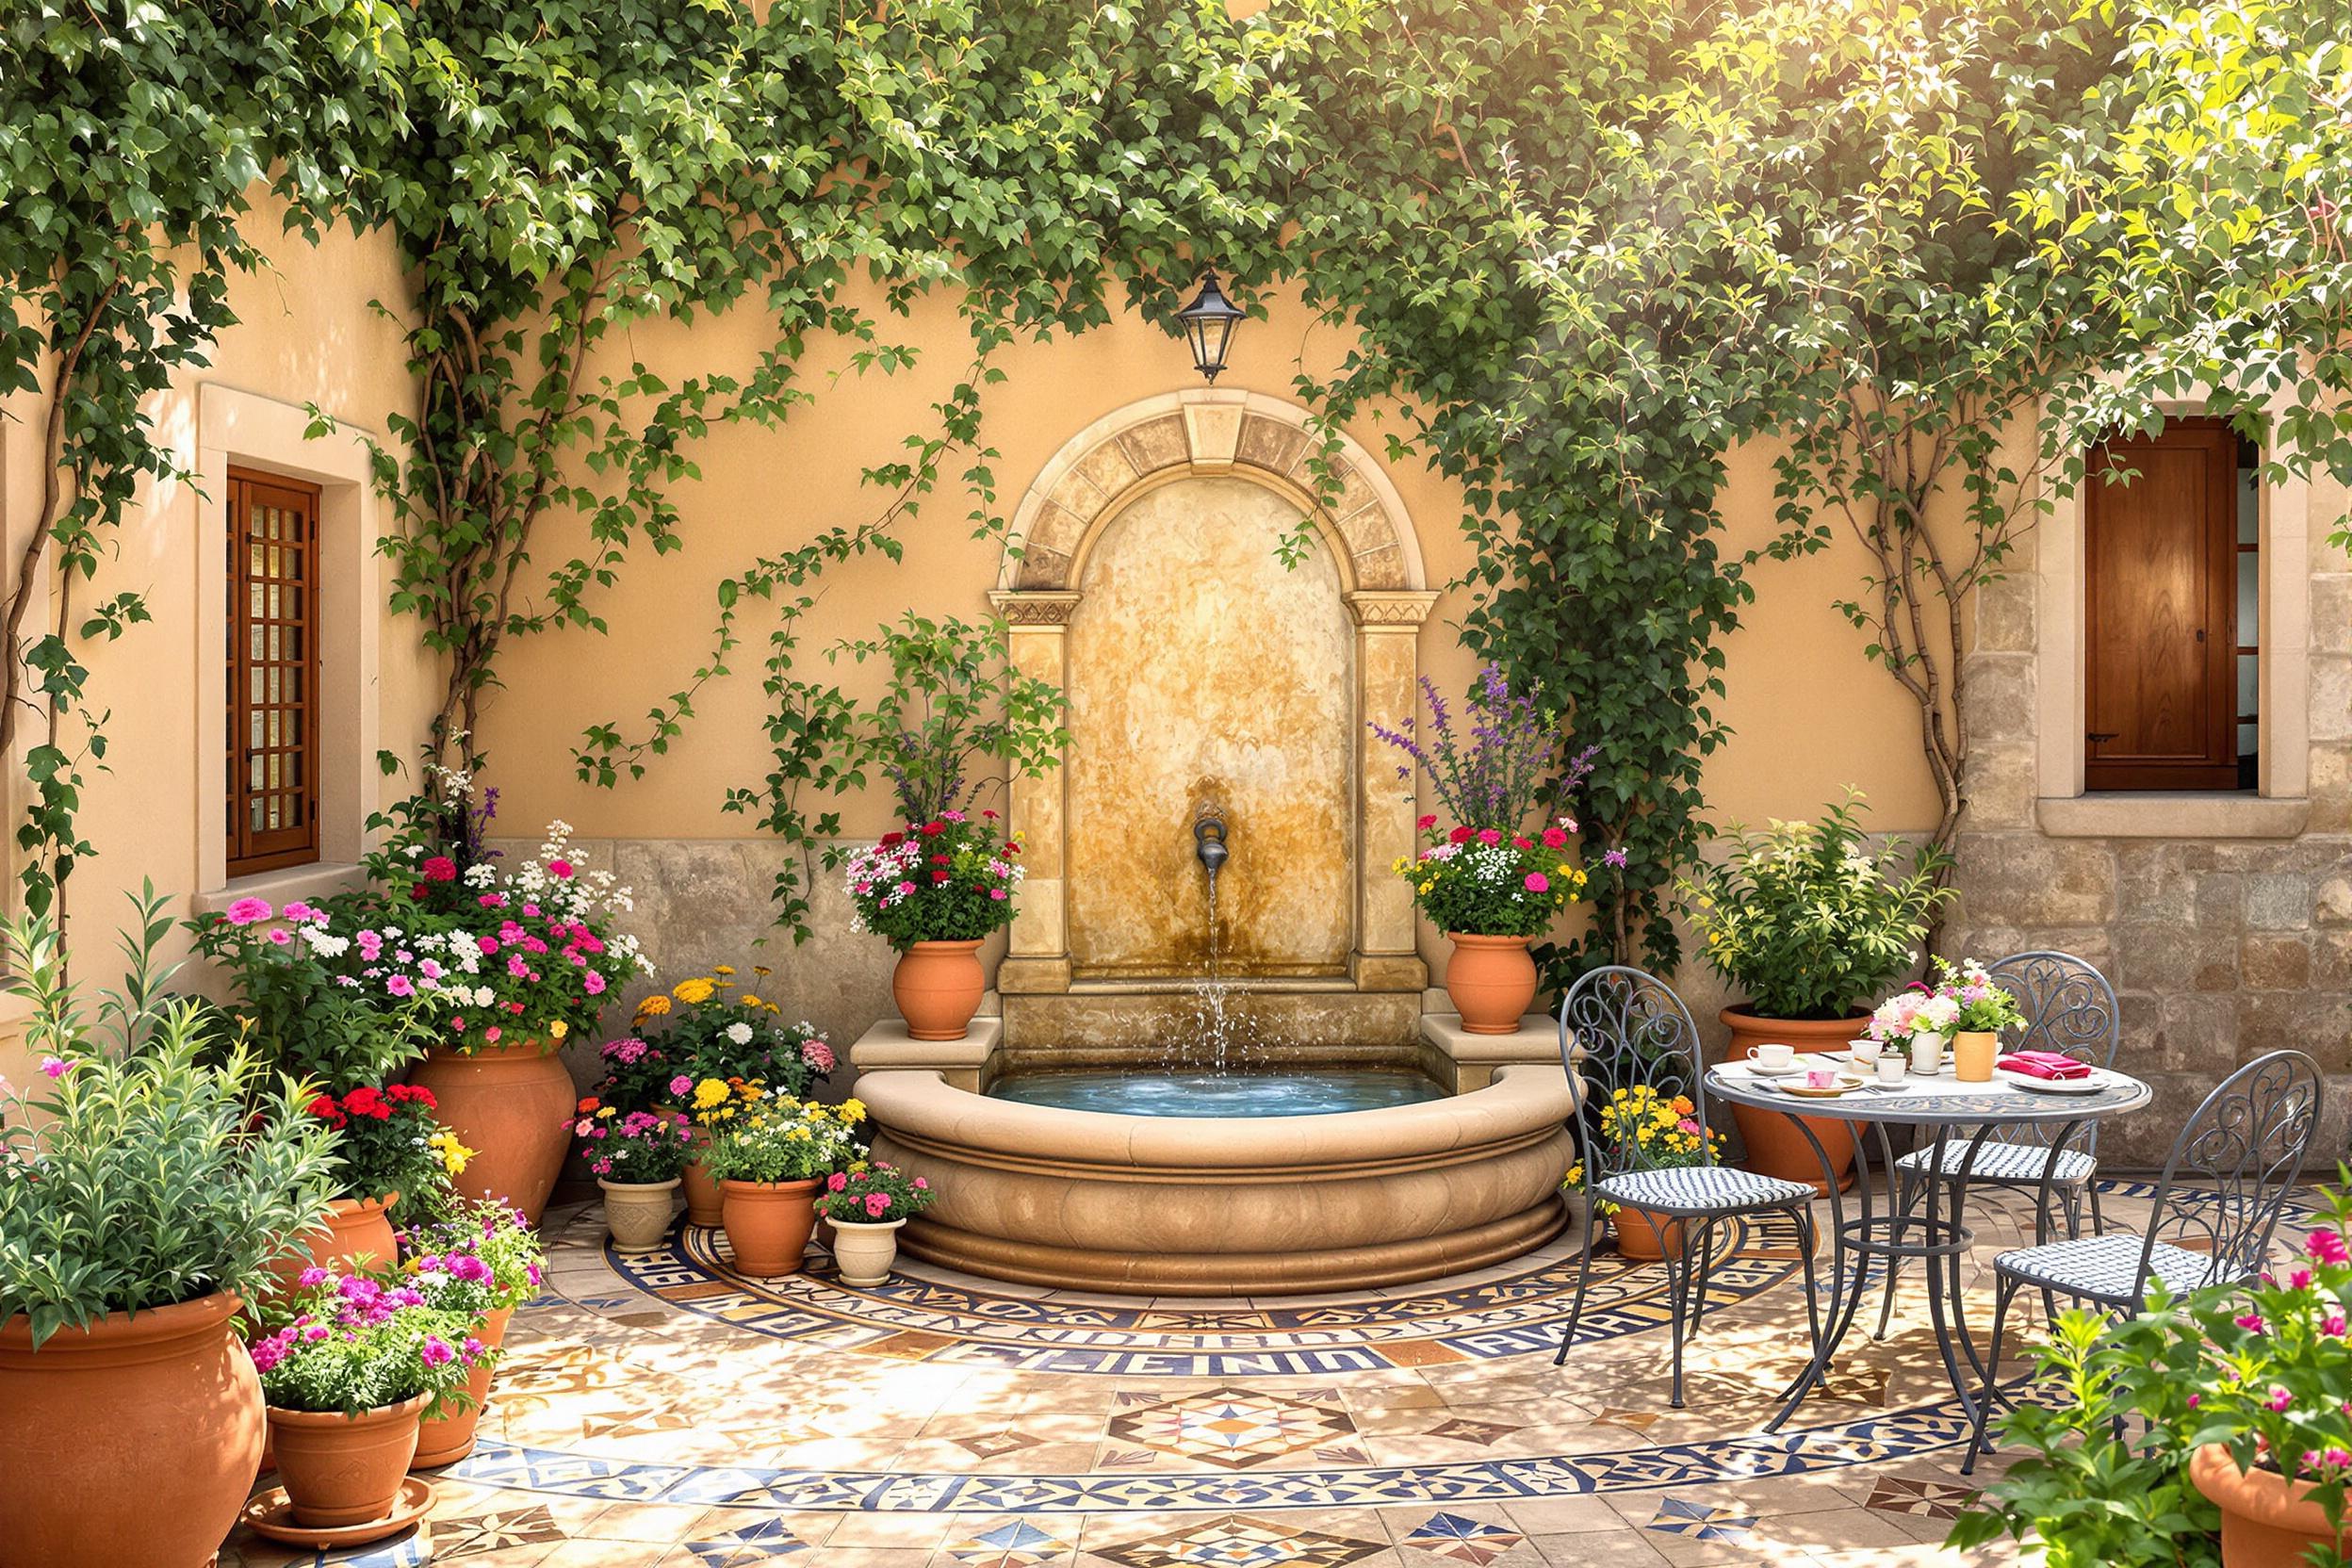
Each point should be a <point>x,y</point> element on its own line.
<point>2231,1168</point>
<point>1633,1030</point>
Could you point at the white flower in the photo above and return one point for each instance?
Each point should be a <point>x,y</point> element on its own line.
<point>740,1032</point>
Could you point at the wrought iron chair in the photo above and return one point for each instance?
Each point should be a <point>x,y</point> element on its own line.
<point>1634,1030</point>
<point>2070,1008</point>
<point>2224,1187</point>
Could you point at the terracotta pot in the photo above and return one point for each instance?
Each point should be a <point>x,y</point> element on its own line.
<point>638,1213</point>
<point>132,1441</point>
<point>512,1104</point>
<point>768,1224</point>
<point>937,988</point>
<point>1774,1146</point>
<point>865,1252</point>
<point>446,1439</point>
<point>703,1204</point>
<point>1972,1054</point>
<point>2265,1521</point>
<point>358,1234</point>
<point>1645,1238</point>
<point>1490,980</point>
<point>341,1470</point>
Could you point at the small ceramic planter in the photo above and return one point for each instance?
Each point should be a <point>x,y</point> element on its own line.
<point>1644,1236</point>
<point>864,1253</point>
<point>1491,982</point>
<point>1972,1054</point>
<point>341,1470</point>
<point>638,1213</point>
<point>768,1224</point>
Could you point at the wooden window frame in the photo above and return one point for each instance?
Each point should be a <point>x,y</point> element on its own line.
<point>249,849</point>
<point>2219,771</point>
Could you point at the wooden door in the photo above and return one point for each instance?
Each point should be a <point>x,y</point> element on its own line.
<point>2159,565</point>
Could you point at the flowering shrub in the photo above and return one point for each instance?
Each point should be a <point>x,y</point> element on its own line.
<point>1487,882</point>
<point>2263,1370</point>
<point>641,1147</point>
<point>946,880</point>
<point>709,1027</point>
<point>873,1194</point>
<point>1507,768</point>
<point>319,1010</point>
<point>386,1141</point>
<point>1807,920</point>
<point>640,1075</point>
<point>786,1140</point>
<point>357,1344</point>
<point>477,1261</point>
<point>1648,1131</point>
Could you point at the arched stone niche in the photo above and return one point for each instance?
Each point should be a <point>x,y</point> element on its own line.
<point>1092,487</point>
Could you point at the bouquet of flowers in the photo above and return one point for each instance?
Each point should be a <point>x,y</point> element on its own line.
<point>948,880</point>
<point>387,1143</point>
<point>786,1140</point>
<point>1915,1011</point>
<point>1648,1131</point>
<point>638,1148</point>
<point>356,1344</point>
<point>711,1028</point>
<point>1484,882</point>
<point>482,1260</point>
<point>1978,1000</point>
<point>873,1193</point>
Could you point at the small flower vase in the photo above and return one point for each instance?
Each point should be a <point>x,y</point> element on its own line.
<point>1927,1054</point>
<point>1972,1054</point>
<point>864,1253</point>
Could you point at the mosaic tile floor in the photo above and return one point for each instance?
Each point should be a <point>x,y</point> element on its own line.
<point>661,1410</point>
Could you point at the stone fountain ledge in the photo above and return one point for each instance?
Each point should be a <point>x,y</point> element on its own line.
<point>1226,1207</point>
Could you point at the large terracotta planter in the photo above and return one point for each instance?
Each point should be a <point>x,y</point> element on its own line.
<point>512,1104</point>
<point>1776,1148</point>
<point>937,988</point>
<point>1491,981</point>
<point>704,1205</point>
<point>1644,1236</point>
<point>341,1470</point>
<point>2267,1522</point>
<point>446,1439</point>
<point>357,1234</point>
<point>864,1253</point>
<point>638,1213</point>
<point>769,1223</point>
<point>132,1441</point>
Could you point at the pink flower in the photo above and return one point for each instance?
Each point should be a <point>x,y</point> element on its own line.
<point>836,1181</point>
<point>2333,1324</point>
<point>400,985</point>
<point>1426,823</point>
<point>280,937</point>
<point>488,945</point>
<point>922,1185</point>
<point>311,1278</point>
<point>877,1204</point>
<point>1538,882</point>
<point>559,869</point>
<point>2300,1280</point>
<point>681,1084</point>
<point>2251,1321</point>
<point>245,911</point>
<point>593,982</point>
<point>997,894</point>
<point>440,869</point>
<point>301,911</point>
<point>54,1066</point>
<point>2278,1401</point>
<point>2326,1246</point>
<point>1555,837</point>
<point>490,1036</point>
<point>437,1352</point>
<point>817,1054</point>
<point>1490,835</point>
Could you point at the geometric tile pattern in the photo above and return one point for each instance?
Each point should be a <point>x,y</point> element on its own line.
<point>1018,1544</point>
<point>1235,1542</point>
<point>470,1534</point>
<point>1920,1498</point>
<point>1234,1427</point>
<point>1698,1522</point>
<point>1470,1541</point>
<point>763,1541</point>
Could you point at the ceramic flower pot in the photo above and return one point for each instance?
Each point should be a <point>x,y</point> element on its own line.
<point>512,1104</point>
<point>638,1213</point>
<point>1972,1054</point>
<point>937,988</point>
<point>357,1234</point>
<point>2267,1522</point>
<point>704,1203</point>
<point>1774,1148</point>
<point>864,1253</point>
<point>1644,1236</point>
<point>1491,981</point>
<point>132,1441</point>
<point>445,1438</point>
<point>768,1224</point>
<point>341,1470</point>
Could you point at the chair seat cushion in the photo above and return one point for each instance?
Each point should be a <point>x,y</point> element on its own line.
<point>2017,1163</point>
<point>1700,1189</point>
<point>2106,1267</point>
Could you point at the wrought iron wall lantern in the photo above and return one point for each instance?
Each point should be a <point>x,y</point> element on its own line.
<point>1209,322</point>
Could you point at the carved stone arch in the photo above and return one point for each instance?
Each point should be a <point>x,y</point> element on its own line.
<point>1182,434</point>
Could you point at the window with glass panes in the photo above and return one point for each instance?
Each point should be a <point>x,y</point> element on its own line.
<point>273,673</point>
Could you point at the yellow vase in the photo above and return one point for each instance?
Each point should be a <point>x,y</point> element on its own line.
<point>1972,1054</point>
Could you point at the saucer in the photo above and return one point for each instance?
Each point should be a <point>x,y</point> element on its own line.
<point>1846,1084</point>
<point>271,1514</point>
<point>1805,1062</point>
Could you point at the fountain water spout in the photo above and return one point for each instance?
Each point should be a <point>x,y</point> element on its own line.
<point>1208,841</point>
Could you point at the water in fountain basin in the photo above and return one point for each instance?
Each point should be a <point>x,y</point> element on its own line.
<point>1217,1094</point>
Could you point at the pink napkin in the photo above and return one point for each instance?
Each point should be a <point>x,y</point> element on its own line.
<point>2043,1064</point>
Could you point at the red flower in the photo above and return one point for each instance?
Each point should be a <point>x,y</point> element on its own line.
<point>440,869</point>
<point>412,1094</point>
<point>939,876</point>
<point>1427,823</point>
<point>1521,841</point>
<point>989,815</point>
<point>943,860</point>
<point>933,829</point>
<point>366,1103</point>
<point>1555,837</point>
<point>1461,836</point>
<point>326,1110</point>
<point>587,1104</point>
<point>892,840</point>
<point>1010,849</point>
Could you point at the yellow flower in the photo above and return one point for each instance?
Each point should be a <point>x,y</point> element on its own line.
<point>452,1155</point>
<point>852,1110</point>
<point>558,1029</point>
<point>708,1093</point>
<point>695,991</point>
<point>750,1001</point>
<point>721,969</point>
<point>653,1006</point>
<point>762,970</point>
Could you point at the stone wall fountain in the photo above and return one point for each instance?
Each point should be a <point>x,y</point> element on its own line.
<point>1212,1074</point>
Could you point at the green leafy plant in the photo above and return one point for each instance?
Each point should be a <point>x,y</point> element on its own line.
<point>154,1179</point>
<point>1807,919</point>
<point>873,1193</point>
<point>291,1001</point>
<point>387,1143</point>
<point>707,1027</point>
<point>783,1140</point>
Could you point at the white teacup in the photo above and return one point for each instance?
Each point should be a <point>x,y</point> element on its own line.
<point>1927,1053</point>
<point>1775,1056</point>
<point>1865,1051</point>
<point>1893,1070</point>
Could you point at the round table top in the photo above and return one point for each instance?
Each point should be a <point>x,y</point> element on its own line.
<point>1930,1101</point>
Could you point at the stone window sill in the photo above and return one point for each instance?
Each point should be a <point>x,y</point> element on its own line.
<point>321,879</point>
<point>2172,814</point>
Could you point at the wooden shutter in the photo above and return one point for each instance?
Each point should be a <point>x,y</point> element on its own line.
<point>2161,568</point>
<point>273,673</point>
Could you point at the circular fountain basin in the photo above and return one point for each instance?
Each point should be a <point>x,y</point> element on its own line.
<point>1128,1092</point>
<point>1186,1204</point>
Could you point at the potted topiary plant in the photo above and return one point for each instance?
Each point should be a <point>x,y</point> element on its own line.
<point>1809,923</point>
<point>768,1164</point>
<point>480,1263</point>
<point>866,1205</point>
<point>135,1218</point>
<point>1491,887</point>
<point>637,1159</point>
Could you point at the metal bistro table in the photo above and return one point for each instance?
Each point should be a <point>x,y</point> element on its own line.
<point>1939,1241</point>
